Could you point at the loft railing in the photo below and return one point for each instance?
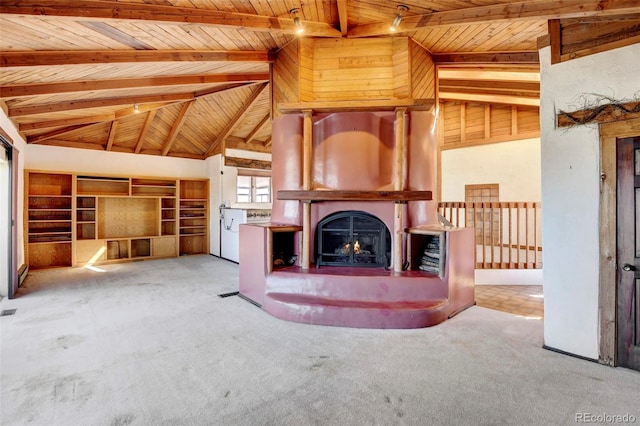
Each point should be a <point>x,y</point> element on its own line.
<point>508,234</point>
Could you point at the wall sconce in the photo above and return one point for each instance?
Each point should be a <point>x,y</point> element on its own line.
<point>136,108</point>
<point>396,21</point>
<point>296,20</point>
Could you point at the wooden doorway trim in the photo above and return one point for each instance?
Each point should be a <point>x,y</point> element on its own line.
<point>609,135</point>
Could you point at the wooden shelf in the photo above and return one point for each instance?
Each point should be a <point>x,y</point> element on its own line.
<point>354,195</point>
<point>194,216</point>
<point>73,220</point>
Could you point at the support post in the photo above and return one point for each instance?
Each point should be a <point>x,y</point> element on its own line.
<point>399,185</point>
<point>307,156</point>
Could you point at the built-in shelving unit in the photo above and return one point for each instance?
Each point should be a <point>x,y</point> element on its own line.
<point>80,219</point>
<point>194,213</point>
<point>49,219</point>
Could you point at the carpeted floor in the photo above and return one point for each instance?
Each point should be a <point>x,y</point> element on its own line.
<point>151,343</point>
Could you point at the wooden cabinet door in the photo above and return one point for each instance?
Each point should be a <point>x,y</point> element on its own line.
<point>628,256</point>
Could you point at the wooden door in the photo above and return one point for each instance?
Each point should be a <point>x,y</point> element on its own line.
<point>628,253</point>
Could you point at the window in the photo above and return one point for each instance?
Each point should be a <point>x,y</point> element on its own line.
<point>253,189</point>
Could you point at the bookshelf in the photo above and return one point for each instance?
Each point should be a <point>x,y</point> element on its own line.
<point>194,216</point>
<point>74,220</point>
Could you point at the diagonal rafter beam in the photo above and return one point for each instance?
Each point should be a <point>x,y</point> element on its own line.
<point>342,14</point>
<point>517,11</point>
<point>145,129</point>
<point>175,130</point>
<point>31,58</point>
<point>32,89</point>
<point>112,134</point>
<point>257,129</point>
<point>120,114</point>
<point>236,119</point>
<point>105,10</point>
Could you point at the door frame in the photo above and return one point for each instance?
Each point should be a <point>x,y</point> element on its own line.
<point>607,299</point>
<point>12,187</point>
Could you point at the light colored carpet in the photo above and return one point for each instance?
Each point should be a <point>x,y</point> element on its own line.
<point>151,343</point>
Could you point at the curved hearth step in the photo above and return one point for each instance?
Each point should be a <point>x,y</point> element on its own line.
<point>318,310</point>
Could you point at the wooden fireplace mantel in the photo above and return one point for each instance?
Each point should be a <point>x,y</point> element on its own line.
<point>331,195</point>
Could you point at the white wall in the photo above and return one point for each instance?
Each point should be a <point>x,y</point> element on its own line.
<point>51,158</point>
<point>20,145</point>
<point>514,165</point>
<point>5,224</point>
<point>214,168</point>
<point>570,192</point>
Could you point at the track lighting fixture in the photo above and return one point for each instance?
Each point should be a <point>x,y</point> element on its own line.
<point>296,20</point>
<point>396,21</point>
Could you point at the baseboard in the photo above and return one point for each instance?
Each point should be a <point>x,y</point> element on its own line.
<point>242,296</point>
<point>22,273</point>
<point>560,351</point>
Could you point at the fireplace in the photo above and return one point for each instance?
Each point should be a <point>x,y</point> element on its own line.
<point>353,230</point>
<point>352,238</point>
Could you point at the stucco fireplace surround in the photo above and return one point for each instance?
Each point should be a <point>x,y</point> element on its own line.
<point>354,238</point>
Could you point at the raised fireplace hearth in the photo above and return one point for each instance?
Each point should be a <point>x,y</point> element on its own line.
<point>352,238</point>
<point>354,208</point>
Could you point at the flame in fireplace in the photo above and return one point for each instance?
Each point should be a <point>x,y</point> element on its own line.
<point>345,249</point>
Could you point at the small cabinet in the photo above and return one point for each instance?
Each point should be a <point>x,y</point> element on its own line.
<point>427,250</point>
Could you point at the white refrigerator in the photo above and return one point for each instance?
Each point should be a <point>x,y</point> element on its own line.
<point>230,220</point>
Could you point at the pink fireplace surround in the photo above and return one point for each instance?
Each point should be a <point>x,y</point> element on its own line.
<point>354,151</point>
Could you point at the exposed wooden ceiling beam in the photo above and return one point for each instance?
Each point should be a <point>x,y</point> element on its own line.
<point>65,122</point>
<point>218,142</point>
<point>86,145</point>
<point>58,132</point>
<point>145,102</point>
<point>112,135</point>
<point>499,58</point>
<point>72,144</point>
<point>257,129</point>
<point>517,11</point>
<point>233,142</point>
<point>342,15</point>
<point>531,87</point>
<point>490,98</point>
<point>267,142</point>
<point>488,75</point>
<point>143,132</point>
<point>73,57</point>
<point>247,163</point>
<point>175,130</point>
<point>104,10</point>
<point>32,89</point>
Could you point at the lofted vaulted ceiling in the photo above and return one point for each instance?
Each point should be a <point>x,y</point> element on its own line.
<point>187,79</point>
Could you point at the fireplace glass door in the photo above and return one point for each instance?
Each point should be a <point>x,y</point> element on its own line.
<point>352,238</point>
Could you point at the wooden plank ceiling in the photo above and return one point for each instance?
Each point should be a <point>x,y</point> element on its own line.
<point>189,79</point>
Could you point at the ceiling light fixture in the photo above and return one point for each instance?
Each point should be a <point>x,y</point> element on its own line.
<point>396,21</point>
<point>136,108</point>
<point>296,20</point>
